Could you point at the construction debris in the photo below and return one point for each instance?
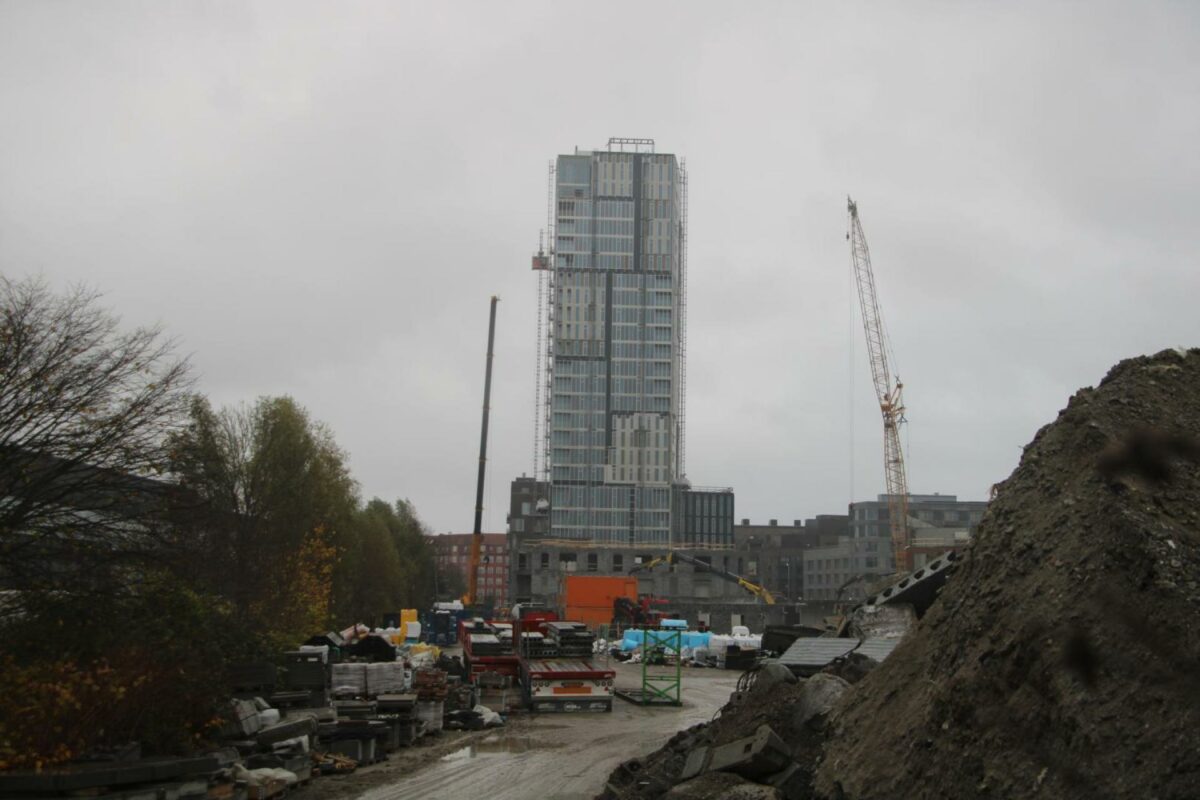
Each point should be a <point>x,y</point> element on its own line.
<point>1059,659</point>
<point>311,714</point>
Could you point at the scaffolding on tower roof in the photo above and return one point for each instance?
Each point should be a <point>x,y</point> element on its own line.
<point>635,145</point>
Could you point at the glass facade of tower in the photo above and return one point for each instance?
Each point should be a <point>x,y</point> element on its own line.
<point>614,389</point>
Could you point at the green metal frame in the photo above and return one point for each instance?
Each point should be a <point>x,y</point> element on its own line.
<point>662,685</point>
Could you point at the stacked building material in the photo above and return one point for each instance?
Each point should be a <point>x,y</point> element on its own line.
<point>349,680</point>
<point>459,695</point>
<point>241,720</point>
<point>430,684</point>
<point>399,711</point>
<point>535,645</point>
<point>356,709</point>
<point>572,639</point>
<point>386,678</point>
<point>504,632</point>
<point>362,740</point>
<point>505,635</point>
<point>485,644</point>
<point>432,714</point>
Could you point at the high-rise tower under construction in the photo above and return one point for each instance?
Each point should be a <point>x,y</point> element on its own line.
<point>612,348</point>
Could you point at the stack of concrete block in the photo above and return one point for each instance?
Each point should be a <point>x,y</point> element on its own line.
<point>400,712</point>
<point>242,721</point>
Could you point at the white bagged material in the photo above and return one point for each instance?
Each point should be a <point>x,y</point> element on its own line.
<point>431,712</point>
<point>355,632</point>
<point>287,776</point>
<point>268,717</point>
<point>349,679</point>
<point>385,678</point>
<point>424,658</point>
<point>323,649</point>
<point>490,718</point>
<point>258,777</point>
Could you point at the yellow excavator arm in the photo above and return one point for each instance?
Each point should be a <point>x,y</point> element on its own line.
<point>761,592</point>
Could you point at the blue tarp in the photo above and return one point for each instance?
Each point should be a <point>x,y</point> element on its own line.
<point>691,639</point>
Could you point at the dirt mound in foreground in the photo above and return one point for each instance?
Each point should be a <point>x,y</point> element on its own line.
<point>1063,657</point>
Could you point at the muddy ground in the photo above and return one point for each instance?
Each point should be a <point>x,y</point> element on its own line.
<point>548,756</point>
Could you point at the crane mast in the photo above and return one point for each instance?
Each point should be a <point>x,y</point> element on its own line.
<point>472,595</point>
<point>889,393</point>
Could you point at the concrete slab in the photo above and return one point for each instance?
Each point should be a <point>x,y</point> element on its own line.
<point>754,757</point>
<point>695,763</point>
<point>807,656</point>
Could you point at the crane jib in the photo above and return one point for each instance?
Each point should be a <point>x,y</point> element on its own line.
<point>889,394</point>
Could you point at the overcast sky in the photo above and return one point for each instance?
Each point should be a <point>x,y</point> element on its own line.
<point>318,200</point>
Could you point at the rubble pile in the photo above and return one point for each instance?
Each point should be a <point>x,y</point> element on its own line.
<point>767,737</point>
<point>285,724</point>
<point>1060,660</point>
<point>1062,657</point>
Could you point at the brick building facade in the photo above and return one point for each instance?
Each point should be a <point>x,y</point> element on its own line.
<point>454,550</point>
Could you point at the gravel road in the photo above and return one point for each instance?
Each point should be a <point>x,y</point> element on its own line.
<point>555,756</point>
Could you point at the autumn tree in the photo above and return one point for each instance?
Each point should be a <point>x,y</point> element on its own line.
<point>277,502</point>
<point>85,408</point>
<point>103,644</point>
<point>412,539</point>
<point>386,563</point>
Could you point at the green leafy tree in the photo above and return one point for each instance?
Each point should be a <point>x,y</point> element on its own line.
<point>451,583</point>
<point>386,564</point>
<point>368,574</point>
<point>413,540</point>
<point>275,502</point>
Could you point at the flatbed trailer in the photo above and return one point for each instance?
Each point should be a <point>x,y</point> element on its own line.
<point>566,684</point>
<point>501,665</point>
<point>476,664</point>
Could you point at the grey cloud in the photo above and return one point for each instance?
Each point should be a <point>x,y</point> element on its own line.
<point>319,200</point>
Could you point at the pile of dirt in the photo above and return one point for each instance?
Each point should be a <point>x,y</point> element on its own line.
<point>795,710</point>
<point>1063,658</point>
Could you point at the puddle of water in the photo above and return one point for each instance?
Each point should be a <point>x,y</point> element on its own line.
<point>492,745</point>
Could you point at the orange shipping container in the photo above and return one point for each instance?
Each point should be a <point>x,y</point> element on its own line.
<point>594,591</point>
<point>589,598</point>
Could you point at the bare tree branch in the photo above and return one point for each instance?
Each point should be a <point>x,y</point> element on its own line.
<point>85,413</point>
